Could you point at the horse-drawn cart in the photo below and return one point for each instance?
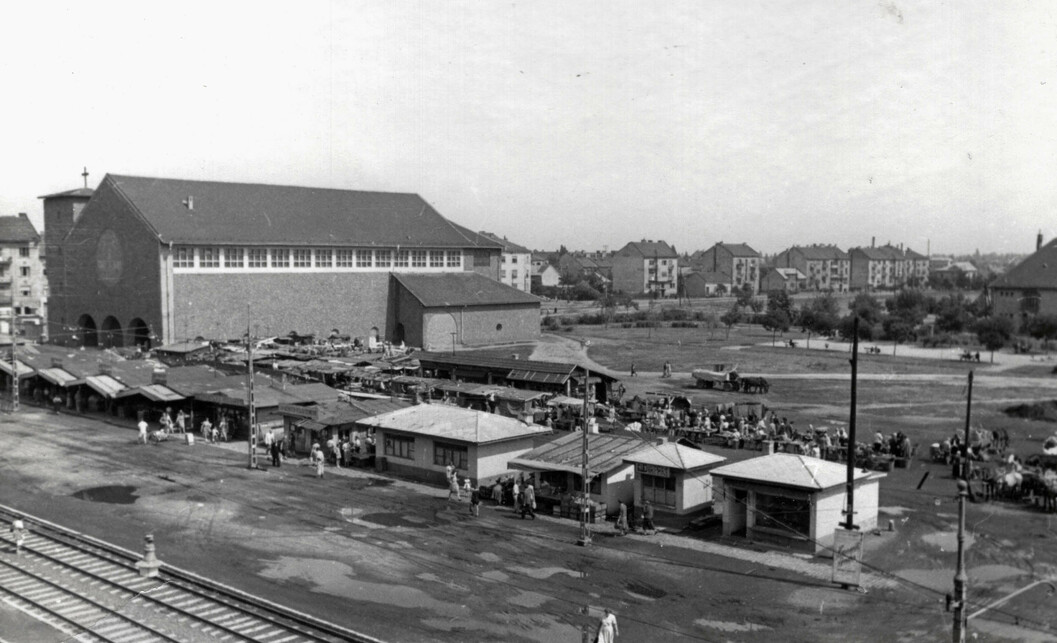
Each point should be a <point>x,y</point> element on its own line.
<point>720,377</point>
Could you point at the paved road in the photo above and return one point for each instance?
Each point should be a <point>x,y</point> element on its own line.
<point>391,558</point>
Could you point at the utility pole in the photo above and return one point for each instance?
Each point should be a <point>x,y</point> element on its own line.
<point>850,522</point>
<point>14,371</point>
<point>961,579</point>
<point>585,528</point>
<point>250,405</point>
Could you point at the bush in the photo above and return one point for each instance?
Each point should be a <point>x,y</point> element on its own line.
<point>674,314</point>
<point>684,324</point>
<point>647,324</point>
<point>551,323</point>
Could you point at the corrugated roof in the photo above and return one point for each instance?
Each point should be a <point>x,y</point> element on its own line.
<point>788,470</point>
<point>454,423</point>
<point>675,456</point>
<point>604,453</point>
<point>17,229</point>
<point>1038,271</point>
<point>289,215</point>
<point>105,385</point>
<point>462,289</point>
<point>497,363</point>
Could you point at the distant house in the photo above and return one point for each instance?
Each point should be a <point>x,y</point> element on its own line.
<point>792,500</point>
<point>421,441</point>
<point>515,269</point>
<point>544,273</point>
<point>1028,289</point>
<point>788,280</point>
<point>825,267</point>
<point>646,267</point>
<point>23,285</point>
<point>737,260</point>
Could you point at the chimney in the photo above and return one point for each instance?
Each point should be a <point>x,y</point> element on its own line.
<point>189,202</point>
<point>873,240</point>
<point>1038,241</point>
<point>23,215</point>
<point>661,441</point>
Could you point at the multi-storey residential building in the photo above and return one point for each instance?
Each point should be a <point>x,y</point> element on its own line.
<point>873,268</point>
<point>175,259</point>
<point>919,267</point>
<point>23,284</point>
<point>646,267</point>
<point>825,267</point>
<point>1029,288</point>
<point>736,260</point>
<point>515,263</point>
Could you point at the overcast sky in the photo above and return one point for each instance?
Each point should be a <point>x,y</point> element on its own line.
<point>584,123</point>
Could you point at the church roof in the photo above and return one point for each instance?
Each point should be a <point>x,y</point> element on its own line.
<point>184,211</point>
<point>1037,271</point>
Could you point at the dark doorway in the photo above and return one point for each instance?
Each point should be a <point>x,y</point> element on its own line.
<point>140,333</point>
<point>112,335</point>
<point>86,328</point>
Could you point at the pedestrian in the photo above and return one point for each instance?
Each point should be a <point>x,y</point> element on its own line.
<point>516,497</point>
<point>181,421</point>
<point>18,533</point>
<point>142,430</point>
<point>475,503</point>
<point>223,428</point>
<point>633,369</point>
<point>318,457</point>
<point>529,503</point>
<point>269,440</point>
<point>466,486</point>
<point>346,452</point>
<point>607,628</point>
<point>335,449</point>
<point>622,519</point>
<point>207,429</point>
<point>57,403</point>
<point>453,488</point>
<point>647,517</point>
<point>449,471</point>
<point>273,449</point>
<point>214,433</point>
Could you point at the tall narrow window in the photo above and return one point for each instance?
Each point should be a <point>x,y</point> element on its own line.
<point>258,258</point>
<point>280,257</point>
<point>324,258</point>
<point>233,257</point>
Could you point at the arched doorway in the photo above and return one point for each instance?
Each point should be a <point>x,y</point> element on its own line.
<point>372,338</point>
<point>398,334</point>
<point>87,329</point>
<point>112,334</point>
<point>140,333</point>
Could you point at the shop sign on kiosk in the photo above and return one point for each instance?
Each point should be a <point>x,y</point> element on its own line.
<point>652,470</point>
<point>847,556</point>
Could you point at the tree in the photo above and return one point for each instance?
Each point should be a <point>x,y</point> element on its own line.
<point>745,296</point>
<point>845,328</point>
<point>993,333</point>
<point>779,300</point>
<point>731,317</point>
<point>1043,327</point>
<point>909,305</point>
<point>776,321</point>
<point>820,315</point>
<point>867,308</point>
<point>898,329</point>
<point>952,313</point>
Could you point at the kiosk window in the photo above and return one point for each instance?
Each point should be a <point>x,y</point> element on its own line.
<point>444,454</point>
<point>398,447</point>
<point>781,512</point>
<point>659,491</point>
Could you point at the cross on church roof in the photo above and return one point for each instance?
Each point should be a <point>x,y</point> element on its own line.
<point>85,175</point>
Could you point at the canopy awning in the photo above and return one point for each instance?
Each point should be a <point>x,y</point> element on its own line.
<point>562,400</point>
<point>24,370</point>
<point>159,393</point>
<point>105,385</point>
<point>540,377</point>
<point>60,377</point>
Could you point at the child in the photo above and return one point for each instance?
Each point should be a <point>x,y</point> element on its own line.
<point>18,532</point>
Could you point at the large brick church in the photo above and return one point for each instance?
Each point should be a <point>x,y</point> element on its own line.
<point>143,261</point>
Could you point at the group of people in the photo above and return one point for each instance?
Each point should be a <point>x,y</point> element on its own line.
<point>455,490</point>
<point>623,525</point>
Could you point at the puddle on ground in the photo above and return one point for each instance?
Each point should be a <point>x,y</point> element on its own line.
<point>724,626</point>
<point>947,540</point>
<point>990,573</point>
<point>940,580</point>
<point>363,483</point>
<point>645,590</point>
<point>895,511</point>
<point>528,599</point>
<point>337,579</point>
<point>488,556</point>
<point>395,520</point>
<point>496,575</point>
<point>540,573</point>
<point>114,495</point>
<point>520,627</point>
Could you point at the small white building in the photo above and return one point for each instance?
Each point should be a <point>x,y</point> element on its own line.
<point>677,479</point>
<point>420,441</point>
<point>793,500</point>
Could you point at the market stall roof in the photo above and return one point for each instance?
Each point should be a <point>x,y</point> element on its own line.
<point>454,423</point>
<point>60,377</point>
<point>563,400</point>
<point>105,385</point>
<point>182,348</point>
<point>520,394</point>
<point>788,470</point>
<point>155,393</point>
<point>23,369</point>
<point>604,453</point>
<point>674,456</point>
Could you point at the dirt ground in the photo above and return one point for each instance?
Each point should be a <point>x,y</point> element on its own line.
<point>397,560</point>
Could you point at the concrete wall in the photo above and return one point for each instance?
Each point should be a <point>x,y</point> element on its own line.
<point>479,325</point>
<point>617,485</point>
<point>217,305</point>
<point>629,273</point>
<point>693,492</point>
<point>111,268</point>
<point>493,459</point>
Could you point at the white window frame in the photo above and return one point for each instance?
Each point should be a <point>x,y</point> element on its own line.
<point>234,258</point>
<point>257,258</point>
<point>279,258</point>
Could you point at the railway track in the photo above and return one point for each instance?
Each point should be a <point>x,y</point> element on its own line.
<point>93,591</point>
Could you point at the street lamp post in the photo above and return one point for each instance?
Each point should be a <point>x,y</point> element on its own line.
<point>251,409</point>
<point>585,508</point>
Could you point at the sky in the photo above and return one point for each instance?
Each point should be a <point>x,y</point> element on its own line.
<point>588,124</point>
